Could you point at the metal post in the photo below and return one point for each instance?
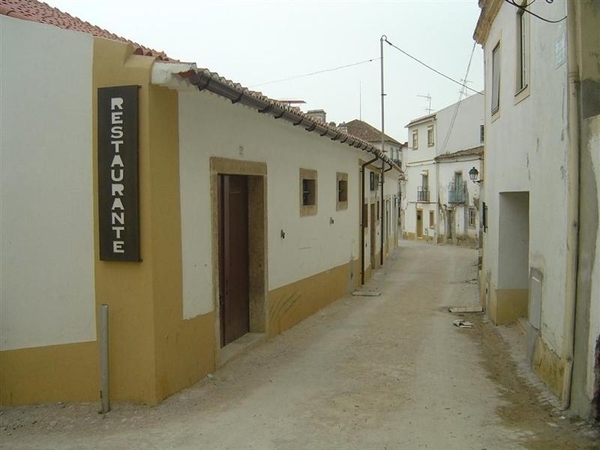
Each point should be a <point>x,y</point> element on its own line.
<point>104,379</point>
<point>382,210</point>
<point>383,38</point>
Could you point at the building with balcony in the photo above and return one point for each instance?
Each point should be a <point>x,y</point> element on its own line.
<point>439,202</point>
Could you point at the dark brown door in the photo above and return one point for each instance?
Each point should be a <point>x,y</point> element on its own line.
<point>233,257</point>
<point>373,229</point>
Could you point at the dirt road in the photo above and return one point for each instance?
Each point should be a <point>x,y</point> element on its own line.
<point>386,372</point>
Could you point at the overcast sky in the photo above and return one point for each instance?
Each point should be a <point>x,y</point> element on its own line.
<point>253,42</point>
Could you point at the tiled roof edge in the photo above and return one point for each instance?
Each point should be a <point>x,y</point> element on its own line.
<point>204,79</point>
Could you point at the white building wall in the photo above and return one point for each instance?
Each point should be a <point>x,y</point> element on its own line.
<point>526,151</point>
<point>211,126</point>
<point>446,171</point>
<point>594,149</point>
<point>458,125</point>
<point>47,243</point>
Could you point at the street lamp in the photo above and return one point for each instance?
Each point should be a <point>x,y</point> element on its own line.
<point>474,175</point>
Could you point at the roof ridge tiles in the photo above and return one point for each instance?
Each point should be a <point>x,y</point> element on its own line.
<point>37,11</point>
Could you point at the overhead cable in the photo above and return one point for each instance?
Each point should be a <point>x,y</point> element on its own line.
<point>316,73</point>
<point>432,69</point>
<point>524,8</point>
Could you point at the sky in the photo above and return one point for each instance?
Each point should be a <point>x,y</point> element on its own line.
<point>257,42</point>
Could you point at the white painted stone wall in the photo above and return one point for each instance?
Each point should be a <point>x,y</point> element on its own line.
<point>458,125</point>
<point>526,150</point>
<point>446,171</point>
<point>456,128</point>
<point>594,145</point>
<point>211,126</point>
<point>47,243</point>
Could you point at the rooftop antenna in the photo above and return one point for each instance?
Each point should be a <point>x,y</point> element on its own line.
<point>428,97</point>
<point>463,89</point>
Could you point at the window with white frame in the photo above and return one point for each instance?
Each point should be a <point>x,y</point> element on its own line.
<point>415,139</point>
<point>472,217</point>
<point>522,50</point>
<point>496,79</point>
<point>430,138</point>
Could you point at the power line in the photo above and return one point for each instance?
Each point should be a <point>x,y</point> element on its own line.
<point>432,69</point>
<point>460,99</point>
<point>524,8</point>
<point>316,73</point>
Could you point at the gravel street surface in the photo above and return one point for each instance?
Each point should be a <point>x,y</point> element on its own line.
<point>377,372</point>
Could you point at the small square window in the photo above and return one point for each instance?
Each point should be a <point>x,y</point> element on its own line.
<point>342,191</point>
<point>308,192</point>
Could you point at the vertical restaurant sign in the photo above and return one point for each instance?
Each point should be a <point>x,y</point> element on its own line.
<point>118,189</point>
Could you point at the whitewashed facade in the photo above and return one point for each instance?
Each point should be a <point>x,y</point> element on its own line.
<point>541,177</point>
<point>440,202</point>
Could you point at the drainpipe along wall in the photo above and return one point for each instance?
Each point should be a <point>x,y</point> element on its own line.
<point>382,213</point>
<point>362,220</point>
<point>573,201</point>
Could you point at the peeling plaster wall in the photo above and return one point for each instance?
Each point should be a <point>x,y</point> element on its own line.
<point>526,151</point>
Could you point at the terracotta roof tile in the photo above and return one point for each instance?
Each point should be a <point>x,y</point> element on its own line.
<point>475,151</point>
<point>40,12</point>
<point>43,13</point>
<point>366,132</point>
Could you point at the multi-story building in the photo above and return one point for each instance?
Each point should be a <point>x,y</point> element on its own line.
<point>440,203</point>
<point>541,247</point>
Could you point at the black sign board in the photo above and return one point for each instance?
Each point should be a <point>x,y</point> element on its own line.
<point>118,189</point>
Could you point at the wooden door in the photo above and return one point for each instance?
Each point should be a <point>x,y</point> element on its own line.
<point>373,230</point>
<point>419,223</point>
<point>234,302</point>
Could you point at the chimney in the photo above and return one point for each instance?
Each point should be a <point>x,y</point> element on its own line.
<point>319,114</point>
<point>342,127</point>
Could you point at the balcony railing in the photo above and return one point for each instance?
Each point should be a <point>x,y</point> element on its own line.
<point>456,194</point>
<point>422,194</point>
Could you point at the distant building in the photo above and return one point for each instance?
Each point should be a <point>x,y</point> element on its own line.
<point>440,202</point>
<point>541,240</point>
<point>372,135</point>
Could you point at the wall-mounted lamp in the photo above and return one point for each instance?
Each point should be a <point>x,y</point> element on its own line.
<point>474,175</point>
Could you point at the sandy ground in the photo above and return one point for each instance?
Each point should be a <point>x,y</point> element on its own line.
<point>386,372</point>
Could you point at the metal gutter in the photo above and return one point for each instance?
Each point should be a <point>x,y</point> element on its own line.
<point>362,220</point>
<point>170,75</point>
<point>573,158</point>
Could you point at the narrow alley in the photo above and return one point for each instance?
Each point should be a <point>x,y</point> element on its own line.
<point>367,372</point>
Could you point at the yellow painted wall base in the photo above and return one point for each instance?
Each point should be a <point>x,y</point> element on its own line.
<point>49,374</point>
<point>507,305</point>
<point>368,273</point>
<point>294,302</point>
<point>549,366</point>
<point>187,354</point>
